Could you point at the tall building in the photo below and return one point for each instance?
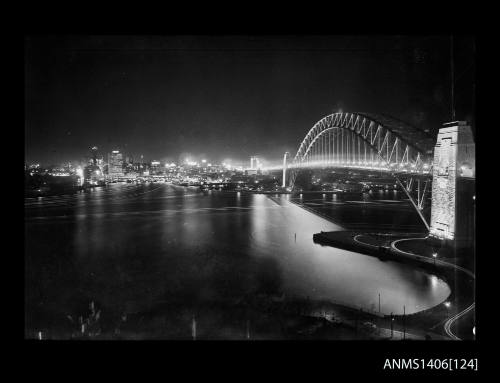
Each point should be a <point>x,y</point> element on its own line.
<point>93,155</point>
<point>254,162</point>
<point>115,161</point>
<point>155,168</point>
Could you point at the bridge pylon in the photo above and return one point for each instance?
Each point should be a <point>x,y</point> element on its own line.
<point>283,184</point>
<point>453,184</point>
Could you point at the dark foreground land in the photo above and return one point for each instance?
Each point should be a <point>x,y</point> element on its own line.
<point>259,317</point>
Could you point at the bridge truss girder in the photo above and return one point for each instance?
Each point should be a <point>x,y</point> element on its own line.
<point>356,140</point>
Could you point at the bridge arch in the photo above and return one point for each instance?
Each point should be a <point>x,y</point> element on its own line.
<point>398,145</point>
<point>356,139</point>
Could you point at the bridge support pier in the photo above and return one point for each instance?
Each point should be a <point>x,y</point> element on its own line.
<point>283,184</point>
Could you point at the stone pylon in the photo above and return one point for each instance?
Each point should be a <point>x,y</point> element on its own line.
<point>453,184</point>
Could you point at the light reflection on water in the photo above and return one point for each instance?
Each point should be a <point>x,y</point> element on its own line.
<point>181,242</point>
<point>339,275</point>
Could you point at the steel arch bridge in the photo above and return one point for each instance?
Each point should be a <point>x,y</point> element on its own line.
<point>368,141</point>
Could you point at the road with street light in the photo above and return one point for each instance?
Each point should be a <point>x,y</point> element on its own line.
<point>448,324</point>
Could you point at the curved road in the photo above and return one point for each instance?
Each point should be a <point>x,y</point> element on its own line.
<point>450,321</point>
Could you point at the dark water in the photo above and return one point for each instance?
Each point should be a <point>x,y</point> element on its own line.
<point>387,210</point>
<point>130,247</point>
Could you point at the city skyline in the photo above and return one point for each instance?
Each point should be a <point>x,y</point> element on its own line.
<point>185,158</point>
<point>230,97</point>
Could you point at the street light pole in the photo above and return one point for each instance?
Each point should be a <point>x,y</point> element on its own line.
<point>404,322</point>
<point>392,322</point>
<point>193,328</point>
<point>452,80</point>
<point>447,305</point>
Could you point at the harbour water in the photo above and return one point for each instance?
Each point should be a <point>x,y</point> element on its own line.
<point>130,247</point>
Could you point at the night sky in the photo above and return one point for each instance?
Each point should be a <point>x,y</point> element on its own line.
<point>228,97</point>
